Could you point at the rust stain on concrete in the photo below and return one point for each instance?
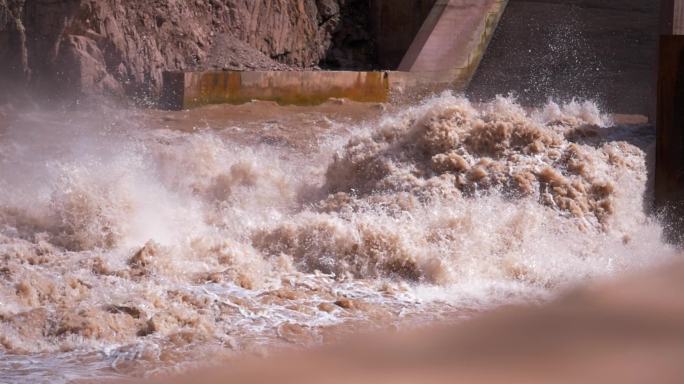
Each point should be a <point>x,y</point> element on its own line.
<point>285,88</point>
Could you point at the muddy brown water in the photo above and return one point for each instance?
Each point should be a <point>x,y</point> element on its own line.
<point>139,243</point>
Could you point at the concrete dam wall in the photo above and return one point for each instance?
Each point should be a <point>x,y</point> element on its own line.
<point>600,49</point>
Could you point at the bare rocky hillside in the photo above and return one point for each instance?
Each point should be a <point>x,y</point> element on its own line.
<point>76,48</point>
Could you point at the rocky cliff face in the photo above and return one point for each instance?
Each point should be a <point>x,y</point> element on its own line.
<point>72,48</point>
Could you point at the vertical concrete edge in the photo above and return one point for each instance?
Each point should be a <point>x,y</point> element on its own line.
<point>491,23</point>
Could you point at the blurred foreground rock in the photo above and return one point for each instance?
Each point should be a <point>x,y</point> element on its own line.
<point>628,331</point>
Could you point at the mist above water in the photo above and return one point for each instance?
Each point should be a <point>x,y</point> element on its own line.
<point>119,236</point>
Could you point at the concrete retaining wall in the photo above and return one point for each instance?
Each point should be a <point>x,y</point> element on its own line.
<point>192,89</point>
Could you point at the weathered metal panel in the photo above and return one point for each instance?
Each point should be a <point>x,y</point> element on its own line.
<point>669,175</point>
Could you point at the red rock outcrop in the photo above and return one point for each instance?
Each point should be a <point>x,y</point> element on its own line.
<point>119,47</point>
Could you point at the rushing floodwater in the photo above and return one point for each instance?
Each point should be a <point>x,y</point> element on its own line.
<point>127,248</point>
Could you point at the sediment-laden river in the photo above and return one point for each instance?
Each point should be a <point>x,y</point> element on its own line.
<point>140,242</point>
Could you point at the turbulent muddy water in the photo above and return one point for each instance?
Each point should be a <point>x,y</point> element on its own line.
<point>135,243</point>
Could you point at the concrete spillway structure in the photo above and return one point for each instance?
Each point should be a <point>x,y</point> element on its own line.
<point>444,54</point>
<point>451,43</point>
<point>603,50</point>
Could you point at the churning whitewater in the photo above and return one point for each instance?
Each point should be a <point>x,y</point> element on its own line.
<point>122,238</point>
